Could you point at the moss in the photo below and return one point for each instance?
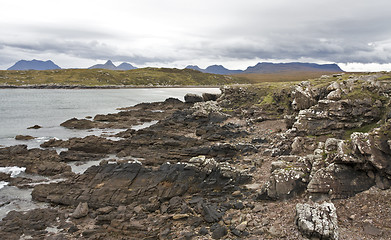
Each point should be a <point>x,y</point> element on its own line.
<point>363,129</point>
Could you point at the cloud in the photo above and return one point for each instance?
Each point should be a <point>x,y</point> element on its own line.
<point>175,31</point>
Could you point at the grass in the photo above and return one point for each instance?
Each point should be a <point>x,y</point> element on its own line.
<point>289,76</point>
<point>103,77</point>
<point>363,129</point>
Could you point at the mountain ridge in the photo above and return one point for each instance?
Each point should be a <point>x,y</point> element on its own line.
<point>268,67</point>
<point>109,65</point>
<point>34,65</point>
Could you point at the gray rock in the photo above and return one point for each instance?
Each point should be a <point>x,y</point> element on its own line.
<point>317,221</point>
<point>339,181</point>
<point>210,96</point>
<point>81,210</point>
<point>219,232</point>
<point>193,98</point>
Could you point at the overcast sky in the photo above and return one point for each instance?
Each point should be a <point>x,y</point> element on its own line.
<point>174,33</point>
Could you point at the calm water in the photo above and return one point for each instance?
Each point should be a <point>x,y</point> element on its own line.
<point>23,108</point>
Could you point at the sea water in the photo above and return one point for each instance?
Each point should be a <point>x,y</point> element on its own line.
<point>48,108</point>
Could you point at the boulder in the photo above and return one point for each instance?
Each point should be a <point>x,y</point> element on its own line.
<point>317,221</point>
<point>193,98</point>
<point>81,210</point>
<point>24,137</point>
<point>210,96</point>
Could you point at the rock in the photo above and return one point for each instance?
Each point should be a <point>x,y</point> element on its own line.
<point>210,213</point>
<point>203,231</point>
<point>35,127</point>
<point>302,97</point>
<point>75,123</point>
<point>339,181</point>
<point>126,183</point>
<point>335,95</point>
<point>24,137</point>
<point>329,116</point>
<point>219,232</point>
<point>193,98</point>
<point>242,226</point>
<point>283,184</point>
<point>81,210</point>
<point>180,216</point>
<point>371,230</point>
<point>210,96</point>
<point>317,220</point>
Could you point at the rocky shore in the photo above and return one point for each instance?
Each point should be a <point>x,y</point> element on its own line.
<point>273,161</point>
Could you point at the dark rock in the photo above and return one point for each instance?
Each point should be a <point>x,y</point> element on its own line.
<point>75,123</point>
<point>210,213</point>
<point>35,127</point>
<point>193,98</point>
<point>24,137</point>
<point>210,96</point>
<point>219,232</point>
<point>112,183</point>
<point>317,221</point>
<point>203,231</point>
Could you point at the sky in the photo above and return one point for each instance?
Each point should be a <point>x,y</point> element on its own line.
<point>355,34</point>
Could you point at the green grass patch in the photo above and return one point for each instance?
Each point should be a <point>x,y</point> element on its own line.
<point>363,129</point>
<point>102,77</point>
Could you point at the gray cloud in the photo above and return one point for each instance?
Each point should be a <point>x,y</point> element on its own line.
<point>152,32</point>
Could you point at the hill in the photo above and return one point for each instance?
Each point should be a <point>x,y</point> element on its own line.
<point>215,69</point>
<point>102,77</point>
<point>110,66</point>
<point>34,65</point>
<point>272,68</point>
<point>266,67</point>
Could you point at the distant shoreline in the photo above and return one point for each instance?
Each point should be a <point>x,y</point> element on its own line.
<point>102,87</point>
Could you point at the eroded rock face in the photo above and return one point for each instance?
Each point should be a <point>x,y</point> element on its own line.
<point>317,220</point>
<point>328,116</point>
<point>339,181</point>
<point>37,161</point>
<point>116,184</point>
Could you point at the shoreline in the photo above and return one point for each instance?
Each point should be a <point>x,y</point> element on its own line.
<point>103,87</point>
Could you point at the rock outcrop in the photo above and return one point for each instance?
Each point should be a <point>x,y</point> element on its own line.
<point>317,221</point>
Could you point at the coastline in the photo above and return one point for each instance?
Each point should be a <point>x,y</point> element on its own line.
<point>49,86</point>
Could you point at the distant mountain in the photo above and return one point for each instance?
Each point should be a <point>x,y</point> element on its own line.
<point>126,66</point>
<point>215,69</point>
<point>34,65</point>
<point>266,67</point>
<point>110,65</point>
<point>194,67</point>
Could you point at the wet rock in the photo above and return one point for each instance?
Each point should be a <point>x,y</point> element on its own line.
<point>110,184</point>
<point>75,123</point>
<point>81,210</point>
<point>193,98</point>
<point>317,220</point>
<point>24,137</point>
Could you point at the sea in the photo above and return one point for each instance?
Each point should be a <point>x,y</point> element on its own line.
<point>48,108</point>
